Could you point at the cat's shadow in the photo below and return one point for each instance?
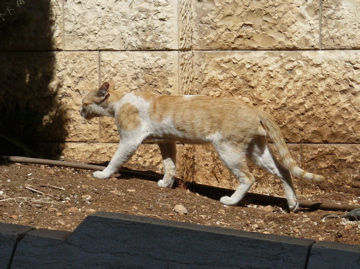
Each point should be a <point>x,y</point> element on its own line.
<point>214,193</point>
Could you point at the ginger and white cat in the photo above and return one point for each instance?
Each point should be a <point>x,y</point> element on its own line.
<point>236,130</point>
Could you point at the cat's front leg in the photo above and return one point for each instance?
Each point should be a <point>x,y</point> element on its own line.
<point>126,148</point>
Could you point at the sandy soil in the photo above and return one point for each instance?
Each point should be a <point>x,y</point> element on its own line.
<point>60,198</point>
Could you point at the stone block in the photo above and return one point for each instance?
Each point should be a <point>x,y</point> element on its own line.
<point>147,157</point>
<point>334,255</point>
<point>338,163</point>
<point>24,80</point>
<point>10,235</point>
<point>51,86</point>
<point>120,25</point>
<point>119,240</point>
<point>28,96</point>
<point>340,24</point>
<point>108,130</point>
<point>243,24</point>
<point>201,164</point>
<point>89,152</point>
<point>149,71</point>
<point>35,26</point>
<point>111,240</point>
<point>311,94</point>
<point>75,73</point>
<point>46,249</point>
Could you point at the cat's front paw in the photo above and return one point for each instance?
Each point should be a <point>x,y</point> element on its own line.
<point>164,184</point>
<point>226,200</point>
<point>100,174</point>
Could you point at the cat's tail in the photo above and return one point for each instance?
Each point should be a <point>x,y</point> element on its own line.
<point>276,136</point>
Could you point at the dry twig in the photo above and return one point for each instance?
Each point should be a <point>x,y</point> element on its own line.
<point>31,188</point>
<point>54,187</point>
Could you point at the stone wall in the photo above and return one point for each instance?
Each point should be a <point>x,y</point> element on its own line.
<point>299,60</point>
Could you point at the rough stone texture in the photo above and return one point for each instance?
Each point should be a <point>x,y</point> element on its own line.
<point>186,24</point>
<point>339,163</point>
<point>108,130</point>
<point>120,25</point>
<point>39,27</point>
<point>340,24</point>
<point>334,255</point>
<point>164,244</point>
<point>44,248</point>
<point>137,71</point>
<point>244,24</point>
<point>51,84</point>
<point>75,74</point>
<point>313,95</point>
<point>89,152</point>
<point>10,234</point>
<point>155,71</point>
<point>187,73</point>
<point>110,240</point>
<point>24,80</point>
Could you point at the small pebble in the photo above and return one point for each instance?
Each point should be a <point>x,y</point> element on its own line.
<point>73,210</point>
<point>180,209</point>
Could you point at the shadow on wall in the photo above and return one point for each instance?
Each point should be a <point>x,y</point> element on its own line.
<point>29,110</point>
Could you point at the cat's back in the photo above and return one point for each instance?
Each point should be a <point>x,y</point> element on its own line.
<point>196,102</point>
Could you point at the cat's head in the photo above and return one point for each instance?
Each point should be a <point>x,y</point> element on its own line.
<point>94,102</point>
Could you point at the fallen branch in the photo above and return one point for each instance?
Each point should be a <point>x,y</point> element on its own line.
<point>213,192</point>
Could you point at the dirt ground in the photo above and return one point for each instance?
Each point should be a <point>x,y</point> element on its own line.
<point>60,198</point>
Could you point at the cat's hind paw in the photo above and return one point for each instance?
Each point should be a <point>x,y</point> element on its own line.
<point>294,208</point>
<point>100,174</point>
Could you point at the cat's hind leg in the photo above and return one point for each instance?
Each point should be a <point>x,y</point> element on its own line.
<point>235,160</point>
<point>260,153</point>
<point>126,149</point>
<point>168,153</point>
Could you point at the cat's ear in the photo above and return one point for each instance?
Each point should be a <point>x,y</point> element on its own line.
<point>103,90</point>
